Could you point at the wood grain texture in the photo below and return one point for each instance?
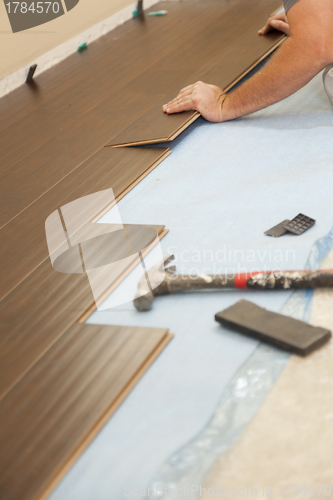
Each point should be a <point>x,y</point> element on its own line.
<point>36,174</point>
<point>34,145</point>
<point>236,59</point>
<point>55,411</point>
<point>60,381</point>
<point>114,58</point>
<point>38,312</point>
<point>104,54</point>
<point>118,169</point>
<point>170,57</point>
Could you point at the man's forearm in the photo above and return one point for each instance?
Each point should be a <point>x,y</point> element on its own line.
<point>304,54</point>
<point>292,67</point>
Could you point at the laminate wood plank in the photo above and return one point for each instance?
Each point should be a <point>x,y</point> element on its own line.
<point>233,62</point>
<point>103,53</point>
<point>212,73</point>
<point>38,312</point>
<point>26,245</point>
<point>31,177</point>
<point>114,70</point>
<point>235,57</point>
<point>57,79</point>
<point>147,84</point>
<point>59,406</point>
<point>36,174</point>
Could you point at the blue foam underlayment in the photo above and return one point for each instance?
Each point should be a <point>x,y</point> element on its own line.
<point>220,189</point>
<point>187,467</point>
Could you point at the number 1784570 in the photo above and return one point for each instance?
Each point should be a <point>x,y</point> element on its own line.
<point>33,7</point>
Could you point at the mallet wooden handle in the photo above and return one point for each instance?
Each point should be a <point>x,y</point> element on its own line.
<point>268,280</point>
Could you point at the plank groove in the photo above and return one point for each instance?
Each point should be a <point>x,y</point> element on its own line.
<point>60,380</point>
<point>63,79</point>
<point>114,68</point>
<point>38,171</point>
<point>108,168</point>
<point>225,69</point>
<point>38,312</point>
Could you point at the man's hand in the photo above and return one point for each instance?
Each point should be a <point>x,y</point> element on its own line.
<point>202,97</point>
<point>307,50</point>
<point>278,22</point>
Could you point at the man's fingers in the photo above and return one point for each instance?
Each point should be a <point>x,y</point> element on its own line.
<point>276,24</point>
<point>266,29</point>
<point>177,107</point>
<point>186,92</point>
<point>280,26</point>
<point>183,93</point>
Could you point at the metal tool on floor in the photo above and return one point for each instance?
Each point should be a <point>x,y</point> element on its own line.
<point>31,73</point>
<point>298,225</point>
<point>328,82</point>
<point>268,280</point>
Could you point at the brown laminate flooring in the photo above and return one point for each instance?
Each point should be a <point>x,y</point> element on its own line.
<point>108,168</point>
<point>59,406</point>
<point>37,312</point>
<point>60,380</point>
<point>240,48</point>
<point>132,84</point>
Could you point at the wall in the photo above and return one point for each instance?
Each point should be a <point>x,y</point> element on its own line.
<point>52,42</point>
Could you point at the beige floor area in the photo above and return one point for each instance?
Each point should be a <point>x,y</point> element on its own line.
<point>290,441</point>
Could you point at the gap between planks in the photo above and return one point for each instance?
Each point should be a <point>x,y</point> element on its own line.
<point>103,212</point>
<point>114,285</point>
<point>196,114</point>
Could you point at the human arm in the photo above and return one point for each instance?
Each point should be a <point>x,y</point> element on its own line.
<point>305,53</point>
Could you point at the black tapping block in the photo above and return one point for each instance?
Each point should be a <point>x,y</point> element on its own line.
<point>282,331</point>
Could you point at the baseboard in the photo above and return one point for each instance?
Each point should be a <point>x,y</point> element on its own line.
<point>61,52</point>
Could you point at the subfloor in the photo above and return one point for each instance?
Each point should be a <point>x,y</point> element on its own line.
<point>219,190</point>
<point>290,441</point>
<point>52,138</point>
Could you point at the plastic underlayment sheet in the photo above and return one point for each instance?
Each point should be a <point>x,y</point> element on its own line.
<point>222,187</point>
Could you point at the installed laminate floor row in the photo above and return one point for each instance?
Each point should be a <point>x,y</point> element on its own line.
<point>113,58</point>
<point>233,62</point>
<point>26,247</point>
<point>38,312</point>
<point>87,120</point>
<point>59,406</point>
<point>53,130</point>
<point>44,356</point>
<point>60,381</point>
